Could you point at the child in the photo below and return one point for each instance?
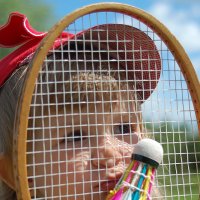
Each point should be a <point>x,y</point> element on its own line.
<point>85,115</point>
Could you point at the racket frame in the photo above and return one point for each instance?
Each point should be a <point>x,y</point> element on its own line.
<point>21,119</point>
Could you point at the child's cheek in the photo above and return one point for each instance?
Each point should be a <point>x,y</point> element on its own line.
<point>131,138</point>
<point>79,160</point>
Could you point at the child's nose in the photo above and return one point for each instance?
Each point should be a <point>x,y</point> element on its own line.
<point>110,152</point>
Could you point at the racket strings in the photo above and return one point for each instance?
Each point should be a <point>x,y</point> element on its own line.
<point>79,86</point>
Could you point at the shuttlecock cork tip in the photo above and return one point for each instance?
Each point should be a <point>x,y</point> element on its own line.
<point>148,151</point>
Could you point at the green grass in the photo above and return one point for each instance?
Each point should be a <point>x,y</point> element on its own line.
<point>179,175</point>
<point>179,187</point>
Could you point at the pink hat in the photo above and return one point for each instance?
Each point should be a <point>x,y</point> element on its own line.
<point>135,50</point>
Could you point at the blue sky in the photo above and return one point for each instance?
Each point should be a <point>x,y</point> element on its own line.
<point>182,17</point>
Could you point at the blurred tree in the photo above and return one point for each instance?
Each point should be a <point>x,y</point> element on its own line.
<point>39,13</point>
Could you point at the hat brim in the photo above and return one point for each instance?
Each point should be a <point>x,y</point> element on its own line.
<point>134,50</point>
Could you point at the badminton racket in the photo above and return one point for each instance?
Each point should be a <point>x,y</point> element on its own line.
<point>58,122</point>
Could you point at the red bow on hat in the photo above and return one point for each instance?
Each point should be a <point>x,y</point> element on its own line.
<point>18,32</point>
<point>134,49</point>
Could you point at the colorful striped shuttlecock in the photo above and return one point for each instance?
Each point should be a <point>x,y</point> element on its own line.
<point>137,181</point>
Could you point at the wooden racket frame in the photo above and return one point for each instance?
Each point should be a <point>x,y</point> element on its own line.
<point>21,121</point>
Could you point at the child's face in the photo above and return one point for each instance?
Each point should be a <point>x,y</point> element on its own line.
<point>86,152</point>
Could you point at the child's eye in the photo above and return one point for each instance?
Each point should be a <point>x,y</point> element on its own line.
<point>122,129</point>
<point>74,137</point>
